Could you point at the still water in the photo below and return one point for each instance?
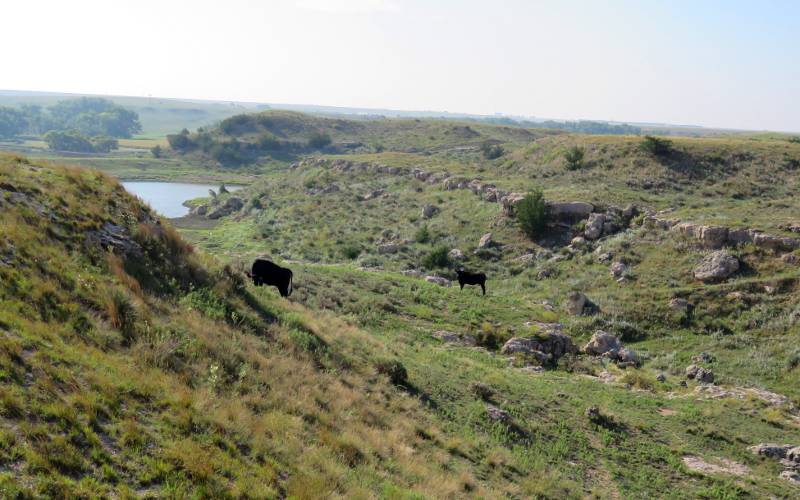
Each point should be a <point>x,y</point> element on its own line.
<point>167,197</point>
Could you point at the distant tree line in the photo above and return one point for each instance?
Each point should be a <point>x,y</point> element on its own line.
<point>578,127</point>
<point>90,124</point>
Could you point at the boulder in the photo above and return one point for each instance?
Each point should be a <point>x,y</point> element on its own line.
<point>485,241</point>
<point>454,338</point>
<point>552,344</point>
<point>716,266</point>
<point>713,236</point>
<point>791,258</point>
<point>627,356</point>
<point>703,357</point>
<point>491,196</point>
<point>438,280</point>
<point>388,248</point>
<point>602,343</point>
<point>594,226</point>
<point>429,211</point>
<point>457,254</point>
<point>578,242</point>
<point>618,269</point>
<point>793,455</point>
<point>661,377</point>
<point>699,374</point>
<point>510,202</point>
<point>775,243</point>
<point>570,210</point>
<point>578,304</point>
<point>232,204</point>
<point>771,450</point>
<point>452,183</point>
<point>740,236</point>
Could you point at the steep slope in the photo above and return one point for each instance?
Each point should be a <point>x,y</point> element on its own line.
<point>133,366</point>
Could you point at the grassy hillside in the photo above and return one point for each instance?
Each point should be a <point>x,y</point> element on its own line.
<point>134,366</point>
<point>327,217</point>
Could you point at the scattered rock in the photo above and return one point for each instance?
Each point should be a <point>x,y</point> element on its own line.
<point>680,305</point>
<point>605,257</point>
<point>546,346</point>
<point>717,266</point>
<point>113,236</point>
<point>661,377</point>
<point>452,183</point>
<point>703,357</point>
<point>601,343</point>
<point>791,258</point>
<point>232,204</point>
<point>724,466</point>
<point>388,248</point>
<point>594,226</point>
<point>429,211</point>
<point>510,202</point>
<point>454,338</point>
<point>495,414</point>
<point>791,476</point>
<point>592,413</point>
<point>485,241</point>
<point>771,450</point>
<point>712,236</point>
<point>438,280</point>
<point>578,304</point>
<point>699,374</point>
<point>457,254</point>
<point>770,398</point>
<point>618,269</point>
<point>372,195</point>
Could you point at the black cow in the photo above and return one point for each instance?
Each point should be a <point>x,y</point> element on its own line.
<point>268,273</point>
<point>468,278</point>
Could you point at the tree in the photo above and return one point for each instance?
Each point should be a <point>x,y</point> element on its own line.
<point>574,158</point>
<point>532,214</point>
<point>70,140</point>
<point>319,140</point>
<point>656,146</point>
<point>180,142</point>
<point>94,116</point>
<point>12,122</point>
<point>104,144</point>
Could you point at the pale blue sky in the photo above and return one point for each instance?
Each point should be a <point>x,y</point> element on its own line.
<point>715,63</point>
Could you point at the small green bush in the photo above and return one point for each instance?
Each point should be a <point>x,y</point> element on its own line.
<point>492,151</point>
<point>438,257</point>
<point>423,234</point>
<point>574,158</point>
<point>350,251</point>
<point>532,214</point>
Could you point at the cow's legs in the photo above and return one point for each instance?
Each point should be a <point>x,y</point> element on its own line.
<point>483,287</point>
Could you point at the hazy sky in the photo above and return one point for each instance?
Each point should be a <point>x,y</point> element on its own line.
<point>715,63</point>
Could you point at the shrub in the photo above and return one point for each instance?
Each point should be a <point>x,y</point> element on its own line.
<point>492,151</point>
<point>351,251</point>
<point>438,257</point>
<point>180,142</point>
<point>393,369</point>
<point>423,234</point>
<point>532,214</point>
<point>574,158</point>
<point>319,140</point>
<point>104,144</point>
<point>68,141</point>
<point>656,146</point>
<point>795,139</point>
<point>206,302</point>
<point>156,151</point>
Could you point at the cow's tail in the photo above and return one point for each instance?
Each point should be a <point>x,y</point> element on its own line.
<point>291,275</point>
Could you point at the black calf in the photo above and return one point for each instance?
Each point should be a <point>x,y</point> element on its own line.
<point>268,273</point>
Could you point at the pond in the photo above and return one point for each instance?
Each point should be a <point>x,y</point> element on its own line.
<point>167,198</point>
